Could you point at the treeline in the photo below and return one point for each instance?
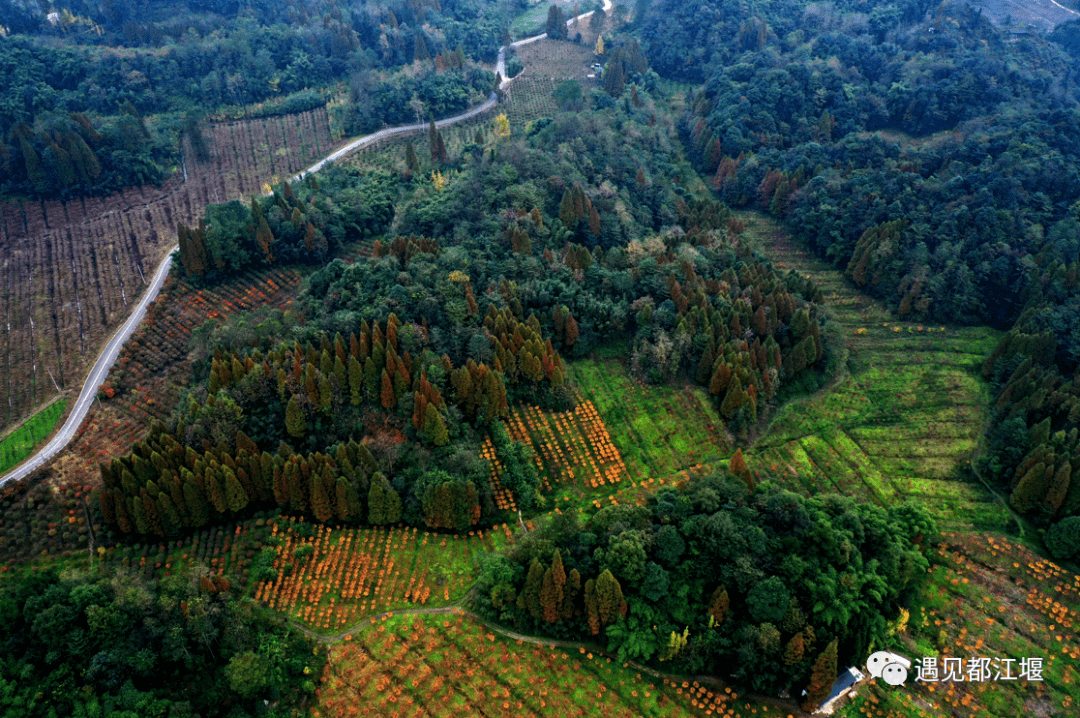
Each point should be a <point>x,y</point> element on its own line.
<point>418,350</point>
<point>1032,450</point>
<point>717,579</point>
<point>207,467</point>
<point>930,158</point>
<point>450,88</point>
<point>72,155</point>
<point>303,224</point>
<point>692,306</point>
<point>181,57</point>
<point>822,116</point>
<point>98,645</point>
<point>695,302</point>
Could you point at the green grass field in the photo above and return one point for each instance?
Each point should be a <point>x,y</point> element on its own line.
<point>903,418</point>
<point>21,442</point>
<point>658,430</point>
<point>532,21</point>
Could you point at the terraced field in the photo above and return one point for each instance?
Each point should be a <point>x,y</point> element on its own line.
<point>903,418</point>
<point>452,665</point>
<point>657,430</point>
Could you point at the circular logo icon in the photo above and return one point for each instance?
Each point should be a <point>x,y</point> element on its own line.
<point>876,662</point>
<point>894,674</point>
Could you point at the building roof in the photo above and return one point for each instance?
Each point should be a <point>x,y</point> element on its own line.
<point>844,681</point>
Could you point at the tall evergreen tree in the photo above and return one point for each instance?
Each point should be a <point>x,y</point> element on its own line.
<point>214,491</point>
<point>196,503</point>
<point>320,500</point>
<point>295,423</point>
<point>609,598</point>
<point>387,394</point>
<point>529,600</point>
<point>235,495</point>
<point>822,678</point>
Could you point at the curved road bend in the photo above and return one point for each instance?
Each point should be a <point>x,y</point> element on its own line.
<point>111,351</point>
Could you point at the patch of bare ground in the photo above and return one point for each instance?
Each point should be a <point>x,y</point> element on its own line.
<point>1042,15</point>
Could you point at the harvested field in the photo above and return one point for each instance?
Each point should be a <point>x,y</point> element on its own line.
<point>70,270</point>
<point>154,365</point>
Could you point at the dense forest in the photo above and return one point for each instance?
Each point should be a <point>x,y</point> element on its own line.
<point>96,98</point>
<point>762,586</point>
<point>507,257</point>
<point>931,156</point>
<point>122,645</point>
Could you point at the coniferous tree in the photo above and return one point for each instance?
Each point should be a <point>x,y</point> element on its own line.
<point>215,492</point>
<point>556,23</point>
<point>529,600</point>
<point>170,519</point>
<point>347,505</point>
<point>295,423</point>
<point>411,160</point>
<point>549,604</point>
<point>196,503</point>
<point>107,501</point>
<point>793,652</point>
<point>737,465</point>
<point>377,501</point>
<point>138,511</point>
<point>609,598</point>
<point>235,495</point>
<point>123,514</point>
<point>822,678</point>
<point>320,500</point>
<point>384,504</point>
<point>326,395</point>
<point>298,495</point>
<point>387,393</point>
<point>153,516</point>
<point>592,610</point>
<point>436,427</point>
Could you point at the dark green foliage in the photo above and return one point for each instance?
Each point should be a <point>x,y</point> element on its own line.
<point>556,23</point>
<point>390,102</point>
<point>119,645</point>
<point>915,223</point>
<point>745,572</point>
<point>1063,538</point>
<point>235,236</point>
<point>178,56</point>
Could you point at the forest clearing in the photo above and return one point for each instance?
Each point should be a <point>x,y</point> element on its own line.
<point>901,419</point>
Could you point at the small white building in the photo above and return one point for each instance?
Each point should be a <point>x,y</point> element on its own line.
<point>845,684</point>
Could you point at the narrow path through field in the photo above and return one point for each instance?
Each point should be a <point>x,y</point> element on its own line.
<point>903,414</point>
<point>109,353</point>
<point>457,610</point>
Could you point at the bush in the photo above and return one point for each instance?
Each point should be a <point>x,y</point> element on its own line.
<point>1063,538</point>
